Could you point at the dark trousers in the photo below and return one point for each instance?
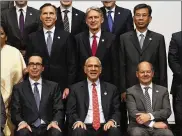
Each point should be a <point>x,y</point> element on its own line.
<point>124,118</point>
<point>39,131</point>
<point>90,131</point>
<point>177,107</point>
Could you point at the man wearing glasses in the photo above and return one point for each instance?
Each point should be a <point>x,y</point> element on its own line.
<point>36,107</point>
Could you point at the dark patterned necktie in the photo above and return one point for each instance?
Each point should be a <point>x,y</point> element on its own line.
<point>141,40</point>
<point>148,100</point>
<point>66,21</point>
<point>49,42</point>
<point>21,21</point>
<point>110,20</point>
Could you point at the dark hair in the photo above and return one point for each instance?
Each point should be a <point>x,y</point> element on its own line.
<point>4,28</point>
<point>36,54</point>
<point>47,5</point>
<point>141,6</point>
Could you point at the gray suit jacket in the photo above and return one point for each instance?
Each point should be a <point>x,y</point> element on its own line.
<point>6,5</point>
<point>136,103</point>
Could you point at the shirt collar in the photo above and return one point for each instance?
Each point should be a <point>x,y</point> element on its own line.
<point>63,9</point>
<point>138,33</point>
<point>113,9</point>
<point>52,30</point>
<point>32,81</point>
<point>142,86</point>
<point>98,34</point>
<point>24,8</point>
<point>90,83</point>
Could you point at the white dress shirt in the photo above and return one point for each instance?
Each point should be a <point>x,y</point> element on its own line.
<point>46,34</point>
<point>89,117</point>
<point>91,38</point>
<point>112,13</point>
<point>150,95</point>
<point>69,15</point>
<point>138,34</point>
<point>24,10</point>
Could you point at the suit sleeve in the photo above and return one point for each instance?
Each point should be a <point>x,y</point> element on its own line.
<point>163,62</point>
<point>3,113</point>
<point>57,105</point>
<point>15,106</point>
<point>173,57</point>
<point>165,112</point>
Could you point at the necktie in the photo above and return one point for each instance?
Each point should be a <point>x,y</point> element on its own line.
<point>110,20</point>
<point>147,100</point>
<point>21,22</point>
<point>94,45</point>
<point>96,115</point>
<point>66,21</point>
<point>49,42</point>
<point>37,100</point>
<point>141,40</point>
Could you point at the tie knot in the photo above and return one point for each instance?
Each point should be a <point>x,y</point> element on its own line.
<point>94,36</point>
<point>21,10</point>
<point>94,84</point>
<point>66,11</point>
<point>36,83</point>
<point>109,12</point>
<point>142,35</point>
<point>146,88</point>
<point>49,32</point>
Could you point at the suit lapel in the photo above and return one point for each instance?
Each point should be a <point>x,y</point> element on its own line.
<point>74,18</point>
<point>84,89</point>
<point>104,96</point>
<point>105,23</point>
<point>154,96</point>
<point>29,95</point>
<point>118,15</point>
<point>86,42</point>
<point>135,41</point>
<point>147,40</point>
<point>28,18</point>
<point>55,40</point>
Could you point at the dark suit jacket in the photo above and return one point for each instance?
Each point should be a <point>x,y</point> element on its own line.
<point>106,52</point>
<point>60,65</point>
<point>24,108</point>
<point>136,103</point>
<point>175,61</point>
<point>32,24</point>
<point>78,21</point>
<point>3,115</point>
<point>6,5</point>
<point>130,54</point>
<point>78,102</point>
<point>123,21</point>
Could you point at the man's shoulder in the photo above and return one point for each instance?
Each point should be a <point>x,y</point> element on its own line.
<point>108,85</point>
<point>177,34</point>
<point>33,9</point>
<point>77,11</point>
<point>160,88</point>
<point>125,10</point>
<point>133,88</point>
<point>156,34</point>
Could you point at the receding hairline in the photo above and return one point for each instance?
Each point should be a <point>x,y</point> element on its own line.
<point>93,58</point>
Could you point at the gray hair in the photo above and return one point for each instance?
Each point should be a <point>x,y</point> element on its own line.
<point>95,9</point>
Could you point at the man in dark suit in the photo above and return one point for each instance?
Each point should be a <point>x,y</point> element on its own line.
<point>57,48</point>
<point>20,21</point>
<point>36,107</point>
<point>175,63</point>
<point>121,18</point>
<point>96,42</point>
<point>148,105</point>
<point>3,116</point>
<point>93,105</point>
<point>6,5</point>
<point>69,18</point>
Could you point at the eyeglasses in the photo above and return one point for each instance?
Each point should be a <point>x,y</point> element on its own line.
<point>31,64</point>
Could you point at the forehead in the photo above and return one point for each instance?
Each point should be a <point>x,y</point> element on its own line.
<point>92,61</point>
<point>93,13</point>
<point>144,66</point>
<point>142,10</point>
<point>48,9</point>
<point>35,59</point>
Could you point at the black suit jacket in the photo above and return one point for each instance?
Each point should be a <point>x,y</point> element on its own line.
<point>6,5</point>
<point>78,21</point>
<point>175,61</point>
<point>24,108</point>
<point>123,21</point>
<point>32,24</point>
<point>78,102</point>
<point>130,54</point>
<point>60,65</point>
<point>106,52</point>
<point>3,115</point>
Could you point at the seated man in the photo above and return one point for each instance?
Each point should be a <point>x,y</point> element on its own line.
<point>3,115</point>
<point>148,105</point>
<point>93,105</point>
<point>36,105</point>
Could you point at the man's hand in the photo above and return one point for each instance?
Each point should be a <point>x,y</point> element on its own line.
<point>65,93</point>
<point>161,125</point>
<point>123,97</point>
<point>79,124</point>
<point>53,124</point>
<point>24,125</point>
<point>142,118</point>
<point>108,125</point>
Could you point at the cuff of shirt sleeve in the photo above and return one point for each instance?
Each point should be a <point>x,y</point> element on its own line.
<point>151,116</point>
<point>151,124</point>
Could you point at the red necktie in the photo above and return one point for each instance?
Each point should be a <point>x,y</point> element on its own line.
<point>94,45</point>
<point>96,115</point>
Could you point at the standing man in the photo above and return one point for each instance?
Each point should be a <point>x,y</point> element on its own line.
<point>93,105</point>
<point>56,47</point>
<point>175,63</point>
<point>148,105</point>
<point>70,19</point>
<point>95,42</point>
<point>6,5</point>
<point>20,20</point>
<point>36,107</point>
